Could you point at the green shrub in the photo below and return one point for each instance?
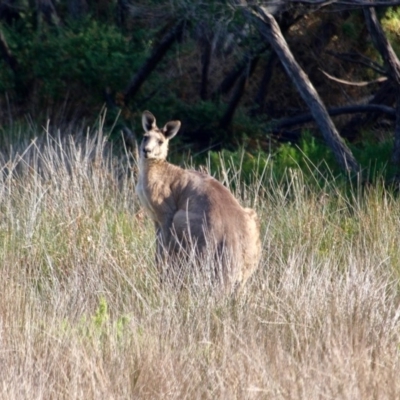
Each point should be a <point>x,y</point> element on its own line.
<point>78,61</point>
<point>309,155</point>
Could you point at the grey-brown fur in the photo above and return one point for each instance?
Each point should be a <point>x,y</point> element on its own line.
<point>192,208</point>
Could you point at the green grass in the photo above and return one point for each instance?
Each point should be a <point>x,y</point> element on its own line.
<point>82,314</point>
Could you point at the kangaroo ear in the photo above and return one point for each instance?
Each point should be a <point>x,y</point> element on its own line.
<point>171,128</point>
<point>148,121</point>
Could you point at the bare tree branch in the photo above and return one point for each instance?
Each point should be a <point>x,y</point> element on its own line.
<point>364,83</point>
<point>393,65</point>
<point>353,109</point>
<point>270,30</point>
<point>153,60</point>
<point>356,58</point>
<point>382,44</point>
<point>259,101</point>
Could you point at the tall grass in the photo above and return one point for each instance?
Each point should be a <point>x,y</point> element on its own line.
<point>82,315</point>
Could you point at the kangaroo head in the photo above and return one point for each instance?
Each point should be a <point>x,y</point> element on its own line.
<point>155,141</point>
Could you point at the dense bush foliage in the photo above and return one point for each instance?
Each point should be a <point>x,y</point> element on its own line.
<point>75,63</point>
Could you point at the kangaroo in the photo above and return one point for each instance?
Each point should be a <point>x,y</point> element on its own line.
<point>193,211</point>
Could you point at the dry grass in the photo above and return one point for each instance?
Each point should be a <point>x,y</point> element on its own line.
<point>82,315</point>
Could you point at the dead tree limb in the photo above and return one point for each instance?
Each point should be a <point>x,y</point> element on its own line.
<point>259,100</point>
<point>270,30</point>
<point>155,57</point>
<point>360,59</point>
<point>392,64</point>
<point>382,44</point>
<point>359,84</point>
<point>335,111</point>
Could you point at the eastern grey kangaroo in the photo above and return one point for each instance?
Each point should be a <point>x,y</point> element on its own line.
<point>194,213</point>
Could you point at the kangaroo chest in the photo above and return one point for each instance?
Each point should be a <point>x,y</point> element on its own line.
<point>143,192</point>
<point>154,196</point>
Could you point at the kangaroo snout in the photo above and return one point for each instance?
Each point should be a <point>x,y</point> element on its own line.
<point>146,152</point>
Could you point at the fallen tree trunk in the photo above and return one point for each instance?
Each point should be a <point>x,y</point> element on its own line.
<point>270,30</point>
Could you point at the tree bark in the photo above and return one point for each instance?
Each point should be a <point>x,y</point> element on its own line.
<point>392,64</point>
<point>286,21</point>
<point>151,63</point>
<point>271,31</point>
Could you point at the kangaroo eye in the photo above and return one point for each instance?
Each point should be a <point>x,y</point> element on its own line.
<point>160,142</point>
